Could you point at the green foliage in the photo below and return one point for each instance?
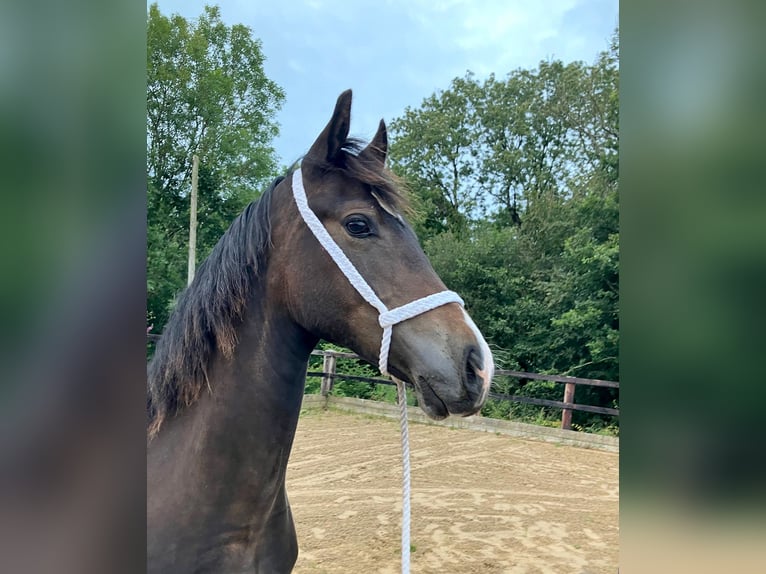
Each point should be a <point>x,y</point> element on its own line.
<point>434,152</point>
<point>351,388</point>
<point>496,409</point>
<point>313,384</point>
<point>515,187</point>
<point>354,367</point>
<point>206,94</point>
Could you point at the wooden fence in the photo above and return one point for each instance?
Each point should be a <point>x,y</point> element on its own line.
<point>328,375</point>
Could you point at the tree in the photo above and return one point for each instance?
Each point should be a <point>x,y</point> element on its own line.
<point>516,182</point>
<point>527,131</point>
<point>499,146</point>
<point>207,94</point>
<point>435,150</point>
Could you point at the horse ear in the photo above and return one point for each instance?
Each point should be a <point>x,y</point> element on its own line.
<point>378,147</point>
<point>329,142</point>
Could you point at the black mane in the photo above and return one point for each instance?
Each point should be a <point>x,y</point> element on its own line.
<point>208,313</point>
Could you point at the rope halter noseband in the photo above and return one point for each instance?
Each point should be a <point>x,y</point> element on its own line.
<point>387,317</point>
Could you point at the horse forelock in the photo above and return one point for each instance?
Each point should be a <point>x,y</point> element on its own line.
<point>388,190</point>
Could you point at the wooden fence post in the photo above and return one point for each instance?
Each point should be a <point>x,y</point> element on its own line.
<point>193,221</point>
<point>566,414</point>
<point>328,370</point>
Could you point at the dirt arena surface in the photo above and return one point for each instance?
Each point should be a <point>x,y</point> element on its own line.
<point>482,503</point>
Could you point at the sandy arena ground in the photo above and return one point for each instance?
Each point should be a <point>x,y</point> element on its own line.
<point>482,503</point>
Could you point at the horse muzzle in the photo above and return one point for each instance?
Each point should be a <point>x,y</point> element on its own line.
<point>451,370</point>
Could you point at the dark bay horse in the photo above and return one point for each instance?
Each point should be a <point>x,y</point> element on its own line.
<point>226,382</point>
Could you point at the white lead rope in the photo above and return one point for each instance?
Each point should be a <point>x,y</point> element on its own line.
<point>387,319</point>
<point>401,395</point>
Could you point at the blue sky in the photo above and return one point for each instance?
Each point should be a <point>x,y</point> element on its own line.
<point>395,53</point>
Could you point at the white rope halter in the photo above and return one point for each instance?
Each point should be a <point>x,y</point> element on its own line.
<point>387,318</point>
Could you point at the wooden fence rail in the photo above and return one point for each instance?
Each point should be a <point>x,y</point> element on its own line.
<point>328,375</point>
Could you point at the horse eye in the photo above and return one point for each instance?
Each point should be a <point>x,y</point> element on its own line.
<point>357,226</point>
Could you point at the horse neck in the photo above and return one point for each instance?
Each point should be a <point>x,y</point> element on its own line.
<point>218,468</point>
<point>244,426</point>
<point>257,393</point>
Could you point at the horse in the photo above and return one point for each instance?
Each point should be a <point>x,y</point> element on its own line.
<point>226,381</point>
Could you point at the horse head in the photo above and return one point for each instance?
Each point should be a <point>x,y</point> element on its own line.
<point>347,188</point>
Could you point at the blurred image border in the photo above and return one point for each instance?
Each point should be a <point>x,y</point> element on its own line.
<point>693,269</point>
<point>693,276</point>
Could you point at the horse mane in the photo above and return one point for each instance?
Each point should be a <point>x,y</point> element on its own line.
<point>210,310</point>
<point>208,313</point>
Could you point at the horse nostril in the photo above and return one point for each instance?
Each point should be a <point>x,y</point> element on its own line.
<point>473,366</point>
